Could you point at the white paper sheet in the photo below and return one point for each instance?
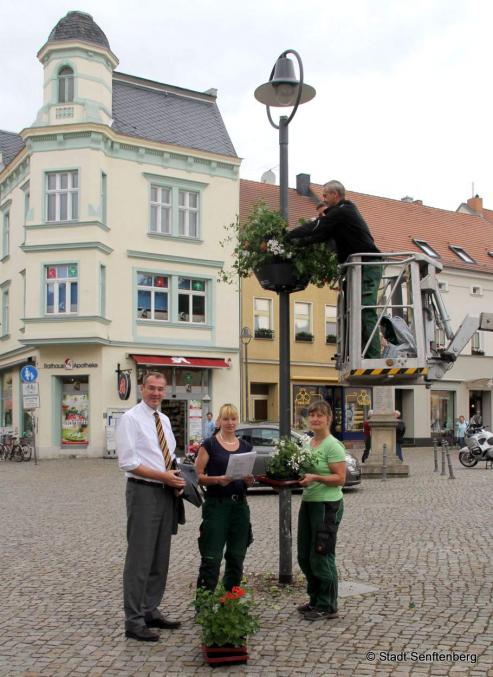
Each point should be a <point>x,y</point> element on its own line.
<point>240,465</point>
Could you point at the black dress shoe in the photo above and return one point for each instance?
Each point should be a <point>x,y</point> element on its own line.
<point>142,634</point>
<point>162,622</point>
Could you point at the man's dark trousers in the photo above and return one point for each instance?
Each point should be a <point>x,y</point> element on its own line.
<point>150,514</point>
<point>370,281</point>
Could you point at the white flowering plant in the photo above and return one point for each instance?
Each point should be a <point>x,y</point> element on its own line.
<point>290,461</point>
<point>260,240</point>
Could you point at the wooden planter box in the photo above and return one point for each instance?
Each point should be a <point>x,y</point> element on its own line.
<point>225,655</point>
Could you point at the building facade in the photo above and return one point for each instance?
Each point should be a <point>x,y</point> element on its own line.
<point>111,205</point>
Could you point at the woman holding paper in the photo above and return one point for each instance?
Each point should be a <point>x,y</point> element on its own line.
<point>225,512</point>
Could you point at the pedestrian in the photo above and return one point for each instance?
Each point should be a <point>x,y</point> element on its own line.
<point>320,515</point>
<point>145,445</point>
<point>461,431</point>
<point>367,437</point>
<point>225,512</point>
<point>400,431</point>
<point>343,223</point>
<point>209,426</point>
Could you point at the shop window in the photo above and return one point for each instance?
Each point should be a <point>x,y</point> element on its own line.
<point>152,296</point>
<point>262,318</point>
<point>65,85</point>
<point>62,196</point>
<point>191,300</point>
<point>61,289</point>
<point>6,403</point>
<point>358,403</point>
<point>442,413</point>
<point>75,411</point>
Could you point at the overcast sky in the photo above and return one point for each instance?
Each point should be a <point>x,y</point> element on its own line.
<point>403,103</point>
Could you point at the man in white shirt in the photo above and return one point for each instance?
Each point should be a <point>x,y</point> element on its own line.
<point>145,445</point>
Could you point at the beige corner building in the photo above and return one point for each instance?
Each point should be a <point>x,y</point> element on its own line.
<point>111,207</point>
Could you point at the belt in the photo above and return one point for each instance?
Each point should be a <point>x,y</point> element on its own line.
<point>236,498</point>
<point>148,484</point>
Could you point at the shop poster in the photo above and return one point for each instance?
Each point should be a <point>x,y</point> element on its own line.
<point>75,410</point>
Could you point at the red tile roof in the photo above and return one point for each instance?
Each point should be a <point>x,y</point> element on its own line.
<point>395,223</point>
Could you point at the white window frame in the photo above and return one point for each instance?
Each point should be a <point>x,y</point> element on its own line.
<point>71,193</point>
<point>443,287</point>
<point>192,293</point>
<point>6,233</point>
<point>57,283</point>
<point>186,210</point>
<point>476,343</point>
<point>265,314</point>
<point>476,290</point>
<point>330,316</point>
<point>65,91</point>
<point>153,290</point>
<point>461,253</point>
<point>5,312</point>
<point>303,316</point>
<point>159,205</point>
<point>426,248</point>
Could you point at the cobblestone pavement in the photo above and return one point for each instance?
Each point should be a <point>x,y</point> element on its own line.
<point>425,543</point>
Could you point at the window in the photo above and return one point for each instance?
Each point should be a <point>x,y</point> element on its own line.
<point>65,85</point>
<point>262,316</point>
<point>442,413</point>
<point>188,213</point>
<point>104,197</point>
<point>62,196</point>
<point>443,286</point>
<point>476,291</point>
<point>5,312</point>
<point>330,324</point>
<point>161,206</point>
<point>302,319</point>
<point>102,291</point>
<point>6,408</point>
<point>462,254</point>
<point>476,347</point>
<point>61,282</point>
<point>428,249</point>
<point>27,198</point>
<point>152,296</point>
<point>6,234</point>
<point>191,300</point>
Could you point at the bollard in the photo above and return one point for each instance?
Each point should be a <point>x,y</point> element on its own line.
<point>435,455</point>
<point>451,475</point>
<point>384,465</point>
<point>443,459</point>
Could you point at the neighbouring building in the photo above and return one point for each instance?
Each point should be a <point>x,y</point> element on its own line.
<point>111,207</point>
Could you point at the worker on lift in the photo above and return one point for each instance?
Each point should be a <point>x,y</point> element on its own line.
<point>342,223</point>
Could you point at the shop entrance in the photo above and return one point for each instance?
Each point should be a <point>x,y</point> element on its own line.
<point>74,411</point>
<point>176,411</point>
<point>476,404</point>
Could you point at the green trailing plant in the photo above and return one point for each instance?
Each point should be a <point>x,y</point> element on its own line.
<point>304,336</point>
<point>227,618</point>
<point>264,333</point>
<point>290,461</point>
<point>331,338</point>
<point>260,240</point>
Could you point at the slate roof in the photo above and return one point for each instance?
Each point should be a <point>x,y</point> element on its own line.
<point>394,223</point>
<point>10,145</point>
<point>79,26</point>
<point>166,114</point>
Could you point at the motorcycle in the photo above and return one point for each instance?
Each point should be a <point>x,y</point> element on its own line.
<point>479,447</point>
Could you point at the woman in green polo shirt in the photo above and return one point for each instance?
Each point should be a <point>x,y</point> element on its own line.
<point>320,514</point>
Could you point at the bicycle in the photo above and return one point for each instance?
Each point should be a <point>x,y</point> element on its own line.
<point>13,450</point>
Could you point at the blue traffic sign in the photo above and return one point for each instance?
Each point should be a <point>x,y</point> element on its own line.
<point>29,374</point>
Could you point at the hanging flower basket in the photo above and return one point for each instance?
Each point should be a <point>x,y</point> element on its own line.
<point>280,276</point>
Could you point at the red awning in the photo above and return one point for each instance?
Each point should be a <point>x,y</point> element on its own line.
<point>175,361</point>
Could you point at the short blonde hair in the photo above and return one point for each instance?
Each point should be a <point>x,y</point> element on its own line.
<point>227,410</point>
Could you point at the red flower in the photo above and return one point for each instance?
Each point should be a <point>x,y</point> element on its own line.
<point>237,591</point>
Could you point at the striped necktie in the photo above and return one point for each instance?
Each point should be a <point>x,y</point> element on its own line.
<point>168,461</point>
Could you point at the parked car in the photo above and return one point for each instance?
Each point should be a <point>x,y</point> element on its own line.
<point>263,436</point>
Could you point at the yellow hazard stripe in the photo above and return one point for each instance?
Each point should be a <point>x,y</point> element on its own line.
<point>394,371</point>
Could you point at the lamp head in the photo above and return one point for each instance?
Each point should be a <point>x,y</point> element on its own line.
<point>283,86</point>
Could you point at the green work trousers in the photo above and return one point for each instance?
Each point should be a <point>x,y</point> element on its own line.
<point>370,281</point>
<point>225,524</point>
<point>314,519</point>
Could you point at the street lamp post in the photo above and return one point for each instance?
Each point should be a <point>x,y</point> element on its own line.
<point>284,89</point>
<point>246,337</point>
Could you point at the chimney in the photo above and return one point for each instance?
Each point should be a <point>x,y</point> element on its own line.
<point>418,202</point>
<point>407,198</point>
<point>476,204</point>
<point>303,184</point>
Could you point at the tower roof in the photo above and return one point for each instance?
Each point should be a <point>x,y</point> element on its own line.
<point>79,26</point>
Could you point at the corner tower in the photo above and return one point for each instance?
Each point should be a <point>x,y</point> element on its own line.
<point>78,67</point>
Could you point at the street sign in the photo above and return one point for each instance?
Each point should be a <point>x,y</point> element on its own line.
<point>30,401</point>
<point>30,388</point>
<point>29,374</point>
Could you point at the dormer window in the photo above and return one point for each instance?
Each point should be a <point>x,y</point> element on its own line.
<point>426,248</point>
<point>462,254</point>
<point>65,85</point>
